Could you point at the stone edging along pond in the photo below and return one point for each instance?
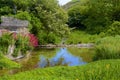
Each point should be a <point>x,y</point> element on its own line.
<point>88,45</point>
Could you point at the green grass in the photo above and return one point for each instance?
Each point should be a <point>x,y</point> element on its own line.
<point>108,48</point>
<point>100,70</point>
<point>7,64</point>
<point>81,37</point>
<point>75,0</point>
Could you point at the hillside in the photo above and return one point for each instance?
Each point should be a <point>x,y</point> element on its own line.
<point>70,4</point>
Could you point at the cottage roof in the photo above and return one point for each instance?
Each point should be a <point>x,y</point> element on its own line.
<point>12,23</point>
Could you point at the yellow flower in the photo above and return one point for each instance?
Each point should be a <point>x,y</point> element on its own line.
<point>107,66</point>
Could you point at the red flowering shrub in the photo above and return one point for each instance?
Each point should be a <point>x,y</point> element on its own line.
<point>33,40</point>
<point>22,42</point>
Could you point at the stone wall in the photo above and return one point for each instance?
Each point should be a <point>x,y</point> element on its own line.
<point>11,23</point>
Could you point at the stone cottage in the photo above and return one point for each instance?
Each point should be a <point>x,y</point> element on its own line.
<point>13,24</point>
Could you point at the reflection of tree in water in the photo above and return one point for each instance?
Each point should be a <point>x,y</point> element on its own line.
<point>62,58</point>
<point>59,62</point>
<point>50,63</point>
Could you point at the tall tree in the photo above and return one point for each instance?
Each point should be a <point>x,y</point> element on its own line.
<point>52,16</point>
<point>95,15</point>
<point>6,7</point>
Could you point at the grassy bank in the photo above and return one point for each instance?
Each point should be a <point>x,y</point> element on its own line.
<point>108,48</point>
<point>77,36</point>
<point>6,63</point>
<point>100,70</point>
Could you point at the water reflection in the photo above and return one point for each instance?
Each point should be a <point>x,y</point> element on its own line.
<point>62,57</point>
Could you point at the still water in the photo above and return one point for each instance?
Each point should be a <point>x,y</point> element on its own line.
<point>62,57</point>
<point>50,57</point>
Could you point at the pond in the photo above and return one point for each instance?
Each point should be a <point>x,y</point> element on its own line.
<point>50,57</point>
<point>62,57</point>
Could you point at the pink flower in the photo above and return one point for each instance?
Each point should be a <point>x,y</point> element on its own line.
<point>33,40</point>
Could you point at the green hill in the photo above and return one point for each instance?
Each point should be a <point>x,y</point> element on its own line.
<point>70,4</point>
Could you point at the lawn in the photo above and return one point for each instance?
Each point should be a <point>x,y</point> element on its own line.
<point>99,70</point>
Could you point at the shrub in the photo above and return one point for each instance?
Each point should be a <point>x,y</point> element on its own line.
<point>52,38</point>
<point>5,41</point>
<point>114,29</point>
<point>33,40</point>
<point>23,16</point>
<point>108,48</point>
<point>48,38</point>
<point>22,42</point>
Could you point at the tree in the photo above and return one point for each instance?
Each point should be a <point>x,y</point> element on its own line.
<point>52,17</point>
<point>97,16</point>
<point>114,29</point>
<point>76,16</point>
<point>6,7</point>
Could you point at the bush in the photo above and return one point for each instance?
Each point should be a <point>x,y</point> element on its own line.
<point>5,41</point>
<point>114,29</point>
<point>76,17</point>
<point>108,48</point>
<point>48,38</point>
<point>23,16</point>
<point>21,42</point>
<point>33,40</point>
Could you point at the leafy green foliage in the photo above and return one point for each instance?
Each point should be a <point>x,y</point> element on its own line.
<point>105,70</point>
<point>5,41</point>
<point>76,17</point>
<point>36,26</point>
<point>5,7</point>
<point>108,48</point>
<point>20,41</point>
<point>116,14</point>
<point>23,16</point>
<point>49,38</point>
<point>74,0</point>
<point>26,4</point>
<point>114,29</point>
<point>22,44</point>
<point>52,17</point>
<point>94,15</point>
<point>77,37</point>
